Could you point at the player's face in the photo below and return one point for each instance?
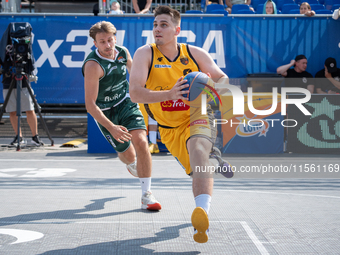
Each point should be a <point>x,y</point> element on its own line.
<point>164,30</point>
<point>105,42</point>
<point>301,64</point>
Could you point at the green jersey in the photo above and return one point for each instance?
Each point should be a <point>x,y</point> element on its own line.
<point>113,86</point>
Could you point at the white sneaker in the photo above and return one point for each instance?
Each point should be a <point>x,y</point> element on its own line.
<point>149,202</point>
<point>336,14</point>
<point>132,168</point>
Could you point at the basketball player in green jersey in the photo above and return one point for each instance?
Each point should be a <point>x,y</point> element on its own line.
<point>108,101</point>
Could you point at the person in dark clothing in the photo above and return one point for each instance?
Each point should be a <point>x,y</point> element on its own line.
<point>327,80</point>
<point>302,78</point>
<point>141,6</point>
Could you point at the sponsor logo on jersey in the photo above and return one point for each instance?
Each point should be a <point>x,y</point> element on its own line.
<point>160,59</point>
<point>115,87</point>
<point>110,141</point>
<point>174,105</point>
<point>121,59</point>
<point>186,71</point>
<point>112,68</point>
<point>184,60</point>
<point>109,99</point>
<point>198,122</point>
<point>162,66</point>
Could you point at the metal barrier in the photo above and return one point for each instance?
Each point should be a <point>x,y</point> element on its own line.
<point>10,6</point>
<point>48,6</point>
<point>180,5</point>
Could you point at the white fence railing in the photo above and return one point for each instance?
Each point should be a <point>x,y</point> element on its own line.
<point>127,6</point>
<point>104,5</point>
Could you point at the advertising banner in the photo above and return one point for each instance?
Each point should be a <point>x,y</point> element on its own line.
<point>239,45</point>
<point>252,133</point>
<point>319,132</point>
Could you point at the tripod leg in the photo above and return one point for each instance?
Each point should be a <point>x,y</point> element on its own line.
<point>39,112</point>
<point>3,109</point>
<point>18,79</point>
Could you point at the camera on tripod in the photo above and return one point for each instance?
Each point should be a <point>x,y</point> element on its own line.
<point>21,48</point>
<point>17,62</point>
<point>16,47</point>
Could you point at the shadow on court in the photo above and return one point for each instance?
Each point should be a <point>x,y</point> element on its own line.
<point>131,246</point>
<point>72,215</point>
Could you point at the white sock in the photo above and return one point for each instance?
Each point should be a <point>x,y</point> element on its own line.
<point>152,136</point>
<point>145,184</point>
<point>203,200</point>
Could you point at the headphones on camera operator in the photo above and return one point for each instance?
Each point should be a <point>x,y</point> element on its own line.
<point>17,61</point>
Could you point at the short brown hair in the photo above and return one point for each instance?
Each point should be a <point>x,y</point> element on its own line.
<point>175,15</point>
<point>102,27</point>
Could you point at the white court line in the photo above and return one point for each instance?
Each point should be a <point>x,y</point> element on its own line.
<point>254,238</point>
<point>21,235</point>
<point>244,224</point>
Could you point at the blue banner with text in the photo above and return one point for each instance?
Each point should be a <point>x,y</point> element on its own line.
<point>239,45</point>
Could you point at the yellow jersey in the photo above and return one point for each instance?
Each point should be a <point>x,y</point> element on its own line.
<point>163,75</point>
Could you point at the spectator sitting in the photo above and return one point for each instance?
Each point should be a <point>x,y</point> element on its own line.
<point>306,9</point>
<point>328,79</point>
<point>207,2</point>
<point>303,79</point>
<point>269,7</point>
<point>141,6</point>
<point>230,4</point>
<point>115,7</point>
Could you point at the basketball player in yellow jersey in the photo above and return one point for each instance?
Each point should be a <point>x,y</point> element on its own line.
<point>156,79</point>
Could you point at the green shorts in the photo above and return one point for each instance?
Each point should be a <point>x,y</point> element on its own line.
<point>126,114</point>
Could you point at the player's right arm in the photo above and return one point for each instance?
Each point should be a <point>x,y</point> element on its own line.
<point>139,75</point>
<point>92,73</point>
<point>283,69</point>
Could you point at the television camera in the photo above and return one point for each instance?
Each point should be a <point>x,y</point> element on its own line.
<point>17,61</point>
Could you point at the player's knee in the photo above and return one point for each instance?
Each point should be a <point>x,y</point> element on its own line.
<point>200,150</point>
<point>139,141</point>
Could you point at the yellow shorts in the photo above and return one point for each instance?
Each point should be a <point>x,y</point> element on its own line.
<point>175,139</point>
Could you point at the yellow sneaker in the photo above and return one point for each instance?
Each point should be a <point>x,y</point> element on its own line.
<point>153,148</point>
<point>200,222</point>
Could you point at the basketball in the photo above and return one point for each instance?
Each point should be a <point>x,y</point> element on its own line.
<point>199,84</point>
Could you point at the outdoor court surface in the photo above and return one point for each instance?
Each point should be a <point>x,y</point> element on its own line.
<point>65,201</point>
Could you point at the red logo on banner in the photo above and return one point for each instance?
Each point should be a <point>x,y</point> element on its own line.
<point>174,105</point>
<point>204,122</point>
